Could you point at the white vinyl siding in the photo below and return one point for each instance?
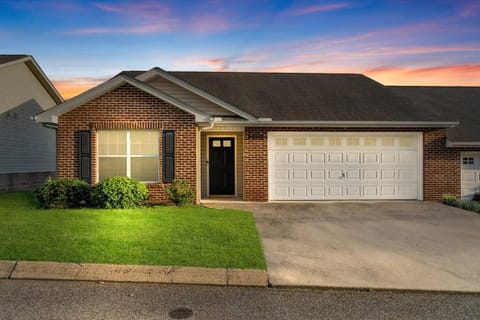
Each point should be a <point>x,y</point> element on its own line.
<point>340,166</point>
<point>131,153</point>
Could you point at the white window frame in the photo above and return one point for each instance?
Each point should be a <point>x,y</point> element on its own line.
<point>128,156</point>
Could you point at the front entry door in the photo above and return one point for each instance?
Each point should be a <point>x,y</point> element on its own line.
<point>221,166</point>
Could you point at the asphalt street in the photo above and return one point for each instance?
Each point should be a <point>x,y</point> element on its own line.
<point>28,299</point>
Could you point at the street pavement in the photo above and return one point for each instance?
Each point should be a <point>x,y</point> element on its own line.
<point>34,299</point>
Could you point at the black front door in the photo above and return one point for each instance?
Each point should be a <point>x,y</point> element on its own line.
<point>221,166</point>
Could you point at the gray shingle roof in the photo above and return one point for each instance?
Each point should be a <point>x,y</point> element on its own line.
<point>455,103</point>
<point>5,58</point>
<point>340,97</point>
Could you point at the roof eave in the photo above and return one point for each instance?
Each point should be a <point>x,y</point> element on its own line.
<point>460,144</point>
<point>51,115</point>
<point>346,124</point>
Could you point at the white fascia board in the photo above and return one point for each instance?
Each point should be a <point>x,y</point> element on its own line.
<point>157,71</point>
<point>347,124</point>
<point>51,115</point>
<point>453,144</point>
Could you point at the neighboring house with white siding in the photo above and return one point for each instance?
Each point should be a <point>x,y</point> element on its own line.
<point>27,148</point>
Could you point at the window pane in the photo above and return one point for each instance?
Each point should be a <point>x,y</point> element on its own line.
<point>108,167</point>
<point>112,142</point>
<point>144,169</point>
<point>281,141</point>
<point>144,142</point>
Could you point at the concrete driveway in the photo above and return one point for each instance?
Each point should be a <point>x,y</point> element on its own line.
<point>401,245</point>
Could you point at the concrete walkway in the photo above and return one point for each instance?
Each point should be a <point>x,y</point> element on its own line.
<point>131,273</point>
<point>385,245</point>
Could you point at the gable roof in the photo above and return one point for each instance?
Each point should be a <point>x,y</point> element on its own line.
<point>456,103</point>
<point>10,59</point>
<point>51,115</point>
<point>4,58</point>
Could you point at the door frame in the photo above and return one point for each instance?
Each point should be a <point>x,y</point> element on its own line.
<point>420,149</point>
<point>208,136</point>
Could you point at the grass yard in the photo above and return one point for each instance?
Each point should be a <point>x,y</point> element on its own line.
<point>194,236</point>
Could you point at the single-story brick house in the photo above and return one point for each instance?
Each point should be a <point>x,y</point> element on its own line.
<point>273,136</point>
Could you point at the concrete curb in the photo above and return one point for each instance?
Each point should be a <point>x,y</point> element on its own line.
<point>132,273</point>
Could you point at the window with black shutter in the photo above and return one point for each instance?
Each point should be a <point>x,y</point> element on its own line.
<point>84,156</point>
<point>168,155</point>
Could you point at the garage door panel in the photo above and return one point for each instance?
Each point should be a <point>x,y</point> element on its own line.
<point>282,174</point>
<point>299,174</point>
<point>281,158</point>
<point>317,192</point>
<point>317,157</point>
<point>387,190</point>
<point>388,158</point>
<point>353,191</point>
<point>335,191</point>
<point>388,174</point>
<point>322,166</point>
<point>334,174</point>
<point>370,174</point>
<point>352,158</point>
<point>407,189</point>
<point>469,176</point>
<point>371,191</point>
<point>407,157</point>
<point>407,174</point>
<point>299,191</point>
<point>335,157</point>
<point>351,174</point>
<point>299,158</point>
<point>371,158</point>
<point>317,175</point>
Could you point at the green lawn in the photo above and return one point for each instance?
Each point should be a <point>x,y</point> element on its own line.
<point>194,236</point>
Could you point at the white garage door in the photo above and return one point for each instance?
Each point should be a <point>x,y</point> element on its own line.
<point>470,174</point>
<point>340,166</point>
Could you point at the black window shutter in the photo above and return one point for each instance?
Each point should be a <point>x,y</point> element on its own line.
<point>168,155</point>
<point>84,156</point>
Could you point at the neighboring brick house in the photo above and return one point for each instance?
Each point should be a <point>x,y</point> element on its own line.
<point>273,136</point>
<point>27,148</point>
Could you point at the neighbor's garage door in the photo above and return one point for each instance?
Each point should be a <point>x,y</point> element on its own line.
<point>339,166</point>
<point>470,174</point>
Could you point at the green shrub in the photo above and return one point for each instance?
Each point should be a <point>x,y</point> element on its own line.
<point>180,192</point>
<point>63,193</point>
<point>119,193</point>
<point>469,205</point>
<point>450,200</point>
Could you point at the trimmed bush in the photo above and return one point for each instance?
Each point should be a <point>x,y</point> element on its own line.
<point>180,193</point>
<point>450,200</point>
<point>63,193</point>
<point>119,193</point>
<point>469,205</point>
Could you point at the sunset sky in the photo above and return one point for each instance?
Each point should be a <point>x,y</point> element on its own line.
<point>81,43</point>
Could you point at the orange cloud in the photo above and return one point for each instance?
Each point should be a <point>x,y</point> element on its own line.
<point>73,87</point>
<point>317,9</point>
<point>447,75</point>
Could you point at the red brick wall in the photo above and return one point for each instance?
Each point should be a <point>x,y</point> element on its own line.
<point>441,165</point>
<point>128,108</point>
